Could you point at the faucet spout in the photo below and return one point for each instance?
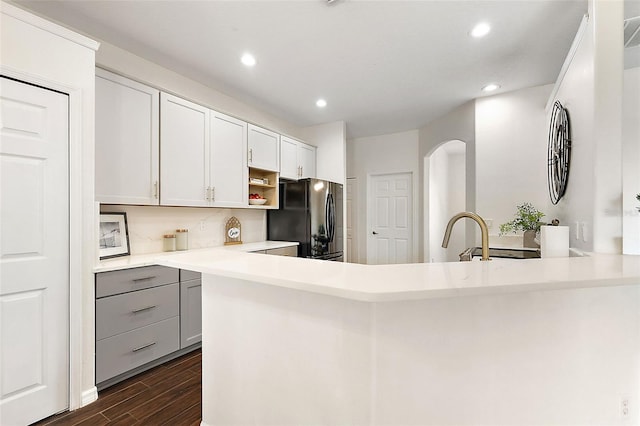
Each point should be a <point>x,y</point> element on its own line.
<point>483,229</point>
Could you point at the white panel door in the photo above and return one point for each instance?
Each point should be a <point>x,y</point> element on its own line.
<point>229,173</point>
<point>307,160</point>
<point>390,237</point>
<point>184,153</point>
<point>127,142</point>
<point>352,204</point>
<point>34,253</point>
<point>264,146</point>
<point>289,167</point>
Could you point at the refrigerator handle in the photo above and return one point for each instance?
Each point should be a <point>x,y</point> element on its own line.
<point>331,216</point>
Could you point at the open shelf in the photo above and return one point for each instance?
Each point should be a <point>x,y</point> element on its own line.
<point>266,190</point>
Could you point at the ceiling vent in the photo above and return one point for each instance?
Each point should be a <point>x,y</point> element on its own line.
<point>632,32</point>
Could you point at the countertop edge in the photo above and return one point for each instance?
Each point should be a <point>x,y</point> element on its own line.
<point>150,259</point>
<point>382,296</point>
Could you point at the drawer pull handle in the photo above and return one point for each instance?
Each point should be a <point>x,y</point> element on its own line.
<point>144,309</point>
<point>139,348</point>
<point>143,279</point>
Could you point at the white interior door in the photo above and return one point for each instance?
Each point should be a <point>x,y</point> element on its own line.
<point>352,211</point>
<point>34,253</point>
<point>390,238</point>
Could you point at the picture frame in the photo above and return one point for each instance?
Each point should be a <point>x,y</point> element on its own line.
<point>113,235</point>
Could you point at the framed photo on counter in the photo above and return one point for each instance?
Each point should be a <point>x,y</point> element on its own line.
<point>113,235</point>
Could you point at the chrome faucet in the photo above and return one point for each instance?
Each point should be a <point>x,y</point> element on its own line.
<point>483,229</point>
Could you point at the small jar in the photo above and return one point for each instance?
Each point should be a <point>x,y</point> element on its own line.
<point>169,242</point>
<point>182,239</point>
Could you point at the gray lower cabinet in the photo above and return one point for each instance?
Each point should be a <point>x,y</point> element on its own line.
<point>190,308</point>
<point>144,316</point>
<point>120,353</point>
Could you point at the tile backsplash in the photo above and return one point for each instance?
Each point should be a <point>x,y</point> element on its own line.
<point>148,224</point>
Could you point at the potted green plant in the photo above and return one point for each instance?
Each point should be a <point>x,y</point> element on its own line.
<point>527,219</point>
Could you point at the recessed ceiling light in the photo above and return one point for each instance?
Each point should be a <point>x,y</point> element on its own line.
<point>248,59</point>
<point>480,30</point>
<point>321,103</point>
<point>490,87</point>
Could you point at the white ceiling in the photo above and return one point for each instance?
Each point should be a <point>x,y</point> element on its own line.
<point>382,66</point>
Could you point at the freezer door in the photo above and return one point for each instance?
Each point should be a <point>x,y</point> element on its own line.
<point>325,206</point>
<point>292,221</point>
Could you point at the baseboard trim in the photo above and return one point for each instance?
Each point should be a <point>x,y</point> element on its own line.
<point>89,396</point>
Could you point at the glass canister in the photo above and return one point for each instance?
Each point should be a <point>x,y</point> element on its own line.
<point>182,239</point>
<point>169,242</point>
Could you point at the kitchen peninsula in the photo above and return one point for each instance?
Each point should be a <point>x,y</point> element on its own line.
<point>292,341</point>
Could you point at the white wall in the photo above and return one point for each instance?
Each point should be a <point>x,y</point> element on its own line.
<point>591,90</point>
<point>631,160</point>
<point>511,155</point>
<point>446,193</point>
<point>438,201</point>
<point>36,51</point>
<point>608,79</point>
<point>391,153</point>
<point>459,124</point>
<point>147,225</point>
<point>331,155</point>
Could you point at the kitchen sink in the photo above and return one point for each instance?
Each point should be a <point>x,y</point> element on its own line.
<point>508,253</point>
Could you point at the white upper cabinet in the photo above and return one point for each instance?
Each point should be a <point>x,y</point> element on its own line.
<point>297,159</point>
<point>289,168</point>
<point>229,173</point>
<point>307,160</point>
<point>127,144</point>
<point>263,148</point>
<point>184,159</point>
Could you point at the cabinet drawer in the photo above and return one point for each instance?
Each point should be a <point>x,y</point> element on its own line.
<point>124,312</point>
<point>123,352</point>
<point>126,280</point>
<point>186,275</point>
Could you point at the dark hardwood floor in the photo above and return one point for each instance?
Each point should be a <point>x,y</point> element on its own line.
<point>169,394</point>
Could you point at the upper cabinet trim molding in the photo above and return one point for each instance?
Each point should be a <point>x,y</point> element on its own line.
<point>55,29</point>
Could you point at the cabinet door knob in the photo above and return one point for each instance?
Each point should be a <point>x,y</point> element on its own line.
<point>374,233</point>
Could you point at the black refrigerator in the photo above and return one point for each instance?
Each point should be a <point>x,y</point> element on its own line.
<point>310,213</point>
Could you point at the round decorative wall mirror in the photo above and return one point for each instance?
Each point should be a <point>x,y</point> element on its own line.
<point>559,152</point>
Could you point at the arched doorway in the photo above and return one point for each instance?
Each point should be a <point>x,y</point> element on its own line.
<point>445,195</point>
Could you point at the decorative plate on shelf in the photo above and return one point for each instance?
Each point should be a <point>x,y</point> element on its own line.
<point>559,152</point>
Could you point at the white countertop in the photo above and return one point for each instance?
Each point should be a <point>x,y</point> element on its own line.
<point>139,260</point>
<point>380,283</point>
